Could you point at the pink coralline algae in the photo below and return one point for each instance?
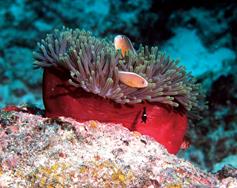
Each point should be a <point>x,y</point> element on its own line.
<point>61,152</point>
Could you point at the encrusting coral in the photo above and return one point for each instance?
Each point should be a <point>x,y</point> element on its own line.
<point>80,67</point>
<point>61,152</point>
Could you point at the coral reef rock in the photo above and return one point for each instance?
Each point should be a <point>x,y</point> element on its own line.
<point>44,152</point>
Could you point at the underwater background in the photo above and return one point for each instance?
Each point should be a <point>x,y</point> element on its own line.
<point>203,36</point>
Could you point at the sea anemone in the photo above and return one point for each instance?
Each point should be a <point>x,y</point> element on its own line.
<point>94,65</point>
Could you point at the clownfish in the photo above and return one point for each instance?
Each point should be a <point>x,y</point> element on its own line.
<point>130,79</point>
<point>124,44</point>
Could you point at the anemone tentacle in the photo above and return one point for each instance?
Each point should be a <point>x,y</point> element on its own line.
<point>94,64</point>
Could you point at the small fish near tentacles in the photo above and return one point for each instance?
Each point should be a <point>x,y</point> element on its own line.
<point>86,79</point>
<point>124,44</point>
<point>131,79</point>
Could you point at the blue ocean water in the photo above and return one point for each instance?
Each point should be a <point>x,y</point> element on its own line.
<point>202,36</point>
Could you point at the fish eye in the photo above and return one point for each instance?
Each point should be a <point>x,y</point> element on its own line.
<point>144,115</point>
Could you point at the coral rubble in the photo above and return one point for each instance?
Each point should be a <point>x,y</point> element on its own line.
<point>37,151</point>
